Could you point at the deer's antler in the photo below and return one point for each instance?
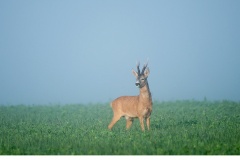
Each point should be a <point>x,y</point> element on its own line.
<point>138,63</point>
<point>144,67</point>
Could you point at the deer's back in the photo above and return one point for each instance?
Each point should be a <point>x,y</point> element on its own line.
<point>126,105</point>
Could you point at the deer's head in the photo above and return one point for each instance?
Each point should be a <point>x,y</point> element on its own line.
<point>141,77</point>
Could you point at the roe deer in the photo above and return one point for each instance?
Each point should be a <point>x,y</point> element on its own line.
<point>132,107</point>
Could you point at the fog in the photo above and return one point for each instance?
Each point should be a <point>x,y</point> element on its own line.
<point>61,52</point>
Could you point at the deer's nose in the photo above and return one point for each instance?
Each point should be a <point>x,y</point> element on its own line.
<point>137,83</point>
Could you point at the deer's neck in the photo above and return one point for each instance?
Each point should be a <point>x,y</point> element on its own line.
<point>145,94</point>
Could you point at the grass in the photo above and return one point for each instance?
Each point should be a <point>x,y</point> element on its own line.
<point>177,128</point>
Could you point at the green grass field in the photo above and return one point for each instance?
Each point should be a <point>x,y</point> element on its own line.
<point>177,128</point>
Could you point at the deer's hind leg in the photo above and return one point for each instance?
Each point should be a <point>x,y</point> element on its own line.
<point>116,117</point>
<point>128,122</point>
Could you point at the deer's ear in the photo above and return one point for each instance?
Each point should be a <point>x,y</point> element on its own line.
<point>147,72</point>
<point>134,73</point>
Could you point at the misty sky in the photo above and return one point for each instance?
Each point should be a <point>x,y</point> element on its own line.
<point>83,51</point>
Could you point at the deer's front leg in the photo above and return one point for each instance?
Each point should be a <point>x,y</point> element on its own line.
<point>141,123</point>
<point>148,123</point>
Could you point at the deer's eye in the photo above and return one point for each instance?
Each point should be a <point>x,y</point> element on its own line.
<point>142,79</point>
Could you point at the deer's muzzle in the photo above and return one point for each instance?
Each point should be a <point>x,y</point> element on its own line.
<point>137,84</point>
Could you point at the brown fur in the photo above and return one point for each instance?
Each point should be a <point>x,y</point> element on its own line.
<point>132,107</point>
